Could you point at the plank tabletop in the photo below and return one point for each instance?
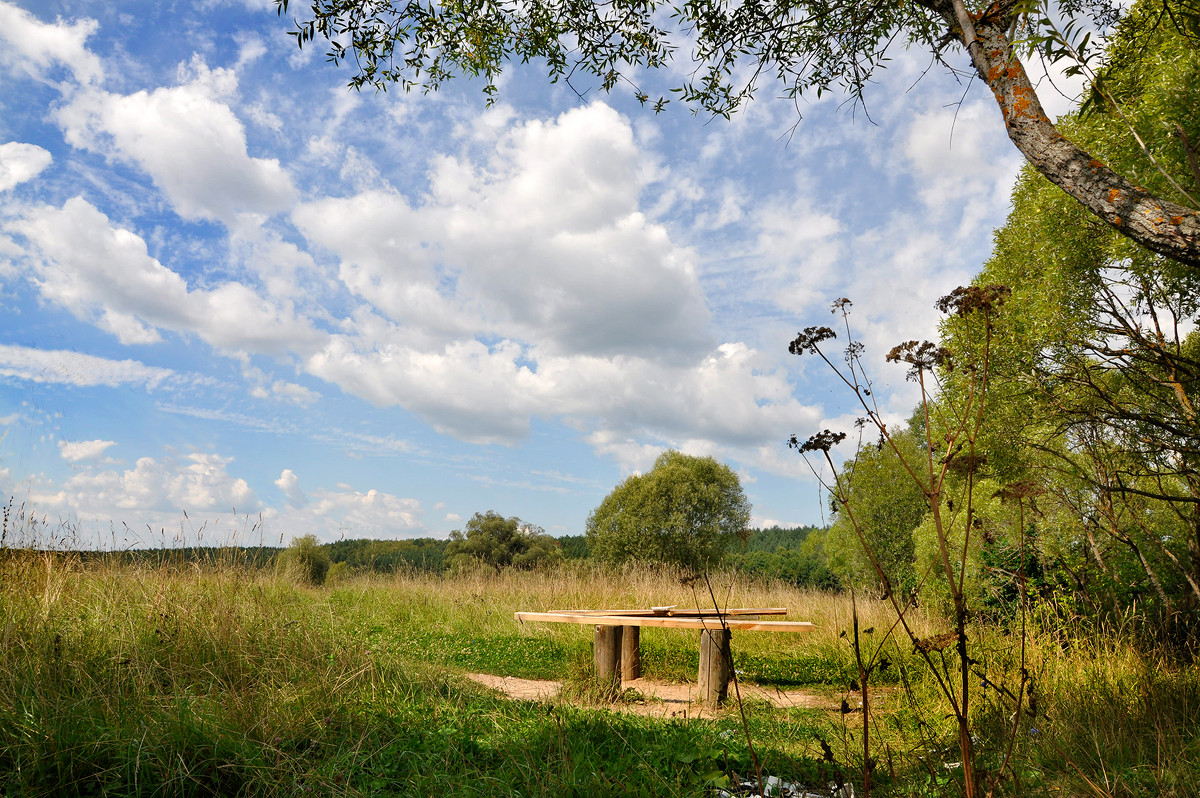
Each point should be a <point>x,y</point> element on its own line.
<point>672,612</point>
<point>663,621</point>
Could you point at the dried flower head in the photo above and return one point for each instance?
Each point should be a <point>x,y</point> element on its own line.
<point>808,339</point>
<point>963,301</point>
<point>823,441</point>
<point>1018,491</point>
<point>921,355</point>
<point>966,464</point>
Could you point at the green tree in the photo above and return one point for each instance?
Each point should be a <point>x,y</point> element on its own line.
<point>888,505</point>
<point>1095,377</point>
<point>805,45</point>
<point>499,542</point>
<point>684,512</point>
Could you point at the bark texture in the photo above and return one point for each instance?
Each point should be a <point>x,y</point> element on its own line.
<point>1158,224</point>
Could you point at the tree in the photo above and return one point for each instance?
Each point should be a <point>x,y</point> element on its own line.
<point>888,506</point>
<point>1096,375</point>
<point>807,45</point>
<point>492,539</point>
<point>685,512</point>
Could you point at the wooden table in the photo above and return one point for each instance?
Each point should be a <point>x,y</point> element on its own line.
<point>617,647</point>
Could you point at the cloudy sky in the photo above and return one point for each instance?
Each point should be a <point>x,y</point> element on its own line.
<point>241,301</point>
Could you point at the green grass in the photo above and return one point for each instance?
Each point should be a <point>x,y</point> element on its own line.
<point>148,680</point>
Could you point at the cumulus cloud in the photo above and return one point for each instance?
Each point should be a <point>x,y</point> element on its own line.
<point>543,243</point>
<point>531,285</point>
<point>188,140</point>
<point>74,451</point>
<point>346,512</point>
<point>34,46</point>
<point>105,275</point>
<point>74,368</point>
<point>951,154</point>
<point>21,162</point>
<point>198,482</point>
<point>289,483</point>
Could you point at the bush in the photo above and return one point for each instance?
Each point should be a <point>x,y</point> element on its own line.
<point>305,561</point>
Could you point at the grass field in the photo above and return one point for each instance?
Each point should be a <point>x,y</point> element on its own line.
<point>222,679</point>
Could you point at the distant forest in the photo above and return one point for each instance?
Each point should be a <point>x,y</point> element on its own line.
<point>794,555</point>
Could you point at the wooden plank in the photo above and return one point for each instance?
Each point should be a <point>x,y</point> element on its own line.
<point>677,613</point>
<point>665,622</point>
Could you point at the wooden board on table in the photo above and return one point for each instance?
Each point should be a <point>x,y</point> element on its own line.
<point>665,622</point>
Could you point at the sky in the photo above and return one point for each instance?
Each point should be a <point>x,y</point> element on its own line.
<point>242,302</point>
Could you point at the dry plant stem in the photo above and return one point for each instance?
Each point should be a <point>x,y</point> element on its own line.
<point>737,693</point>
<point>863,673</point>
<point>967,426</point>
<point>1019,700</point>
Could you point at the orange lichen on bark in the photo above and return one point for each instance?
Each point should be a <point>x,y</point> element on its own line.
<point>1096,164</point>
<point>1113,194</point>
<point>1021,100</point>
<point>1117,221</point>
<point>1176,220</point>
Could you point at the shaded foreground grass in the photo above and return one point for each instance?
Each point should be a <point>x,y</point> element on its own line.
<point>224,680</point>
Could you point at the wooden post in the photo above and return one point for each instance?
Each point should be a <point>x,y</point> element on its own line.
<point>607,651</point>
<point>716,666</point>
<point>631,653</point>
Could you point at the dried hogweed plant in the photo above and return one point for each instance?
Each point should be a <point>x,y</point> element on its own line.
<point>950,431</point>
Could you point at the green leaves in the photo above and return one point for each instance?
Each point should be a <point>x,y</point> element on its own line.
<point>685,512</point>
<point>499,542</point>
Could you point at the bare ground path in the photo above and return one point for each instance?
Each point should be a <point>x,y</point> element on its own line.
<point>665,700</point>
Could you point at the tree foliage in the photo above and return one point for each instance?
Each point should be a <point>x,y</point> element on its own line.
<point>493,540</point>
<point>888,506</point>
<point>389,556</point>
<point>1096,367</point>
<point>685,512</point>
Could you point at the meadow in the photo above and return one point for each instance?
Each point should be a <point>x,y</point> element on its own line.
<point>223,677</point>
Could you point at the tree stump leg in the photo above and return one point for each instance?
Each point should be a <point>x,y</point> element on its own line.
<point>716,666</point>
<point>631,653</point>
<point>607,652</point>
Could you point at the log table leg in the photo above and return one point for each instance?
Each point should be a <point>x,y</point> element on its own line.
<point>607,651</point>
<point>716,666</point>
<point>631,653</point>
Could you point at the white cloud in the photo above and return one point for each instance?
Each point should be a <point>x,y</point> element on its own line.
<point>345,512</point>
<point>73,368</point>
<point>951,156</point>
<point>199,482</point>
<point>21,162</point>
<point>104,274</point>
<point>799,247</point>
<point>289,483</point>
<point>74,451</point>
<point>187,139</point>
<point>544,244</point>
<point>33,46</point>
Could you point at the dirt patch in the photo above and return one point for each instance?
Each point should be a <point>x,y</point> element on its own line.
<point>661,699</point>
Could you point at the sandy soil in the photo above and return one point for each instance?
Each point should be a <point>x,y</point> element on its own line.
<point>661,699</point>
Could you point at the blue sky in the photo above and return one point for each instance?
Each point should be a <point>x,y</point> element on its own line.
<point>242,302</point>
